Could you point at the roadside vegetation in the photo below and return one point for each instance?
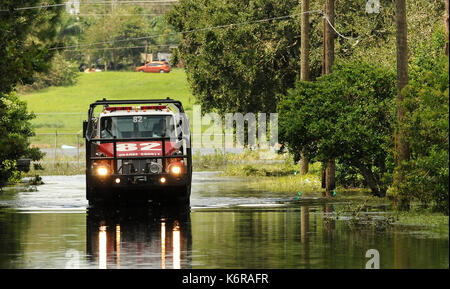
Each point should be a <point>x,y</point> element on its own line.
<point>368,120</point>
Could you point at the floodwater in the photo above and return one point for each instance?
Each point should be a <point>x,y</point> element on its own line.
<point>227,226</point>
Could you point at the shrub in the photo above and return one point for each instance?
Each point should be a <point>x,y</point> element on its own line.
<point>15,130</point>
<point>346,115</point>
<point>426,127</point>
<point>61,73</point>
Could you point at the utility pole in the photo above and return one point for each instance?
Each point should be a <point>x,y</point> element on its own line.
<point>304,66</point>
<point>104,35</point>
<point>324,64</point>
<point>146,52</point>
<point>402,81</point>
<point>446,27</point>
<point>324,41</point>
<point>330,170</point>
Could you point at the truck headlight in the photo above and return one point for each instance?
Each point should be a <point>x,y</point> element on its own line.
<point>102,171</point>
<point>175,169</point>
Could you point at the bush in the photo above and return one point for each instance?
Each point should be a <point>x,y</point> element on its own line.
<point>346,115</point>
<point>15,130</point>
<point>348,177</point>
<point>426,127</point>
<point>61,73</point>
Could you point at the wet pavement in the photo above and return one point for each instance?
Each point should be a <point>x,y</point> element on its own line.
<point>227,225</point>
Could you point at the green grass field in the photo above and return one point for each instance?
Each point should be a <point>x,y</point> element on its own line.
<point>63,109</point>
<point>111,85</point>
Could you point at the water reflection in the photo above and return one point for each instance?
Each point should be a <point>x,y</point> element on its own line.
<point>304,230</point>
<point>137,237</point>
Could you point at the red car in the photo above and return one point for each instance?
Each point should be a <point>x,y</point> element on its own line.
<point>155,66</point>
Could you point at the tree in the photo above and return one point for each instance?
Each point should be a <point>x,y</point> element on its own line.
<point>330,171</point>
<point>238,68</point>
<point>304,64</point>
<point>402,81</point>
<point>426,126</point>
<point>446,23</point>
<point>25,36</point>
<point>122,39</point>
<point>345,115</point>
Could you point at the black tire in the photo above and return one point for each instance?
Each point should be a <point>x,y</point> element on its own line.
<point>140,70</point>
<point>162,71</point>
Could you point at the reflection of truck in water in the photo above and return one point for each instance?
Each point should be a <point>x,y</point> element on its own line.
<point>137,150</point>
<point>139,237</point>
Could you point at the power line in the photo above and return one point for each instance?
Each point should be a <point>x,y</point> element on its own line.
<point>117,15</point>
<point>188,31</point>
<point>168,2</point>
<point>124,47</point>
<point>335,30</point>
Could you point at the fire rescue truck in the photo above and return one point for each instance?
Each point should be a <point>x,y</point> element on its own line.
<point>137,150</point>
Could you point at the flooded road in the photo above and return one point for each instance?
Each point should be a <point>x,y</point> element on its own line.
<point>227,226</point>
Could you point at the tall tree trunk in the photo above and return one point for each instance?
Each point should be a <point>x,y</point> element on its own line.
<point>402,81</point>
<point>371,180</point>
<point>446,26</point>
<point>330,176</point>
<point>304,66</point>
<point>329,37</point>
<point>324,41</point>
<point>324,64</point>
<point>304,54</point>
<point>329,61</point>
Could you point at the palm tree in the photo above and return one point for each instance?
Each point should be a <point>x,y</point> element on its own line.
<point>68,30</point>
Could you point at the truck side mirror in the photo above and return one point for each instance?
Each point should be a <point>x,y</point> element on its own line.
<point>85,123</point>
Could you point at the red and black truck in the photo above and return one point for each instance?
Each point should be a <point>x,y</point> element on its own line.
<point>137,150</point>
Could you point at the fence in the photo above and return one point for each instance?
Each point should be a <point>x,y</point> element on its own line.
<point>59,136</point>
<point>57,146</point>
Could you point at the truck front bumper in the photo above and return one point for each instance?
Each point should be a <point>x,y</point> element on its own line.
<point>150,187</point>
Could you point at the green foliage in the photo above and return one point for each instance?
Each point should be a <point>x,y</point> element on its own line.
<point>15,130</point>
<point>25,35</point>
<point>348,177</point>
<point>62,72</point>
<point>347,116</point>
<point>121,40</point>
<point>243,67</point>
<point>427,126</point>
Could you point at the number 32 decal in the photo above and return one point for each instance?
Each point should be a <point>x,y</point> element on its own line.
<point>127,147</point>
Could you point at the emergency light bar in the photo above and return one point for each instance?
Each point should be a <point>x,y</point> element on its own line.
<point>128,108</point>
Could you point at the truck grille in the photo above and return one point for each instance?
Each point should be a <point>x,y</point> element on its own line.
<point>129,167</point>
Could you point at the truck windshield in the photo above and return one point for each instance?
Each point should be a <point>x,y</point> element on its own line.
<point>137,126</point>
